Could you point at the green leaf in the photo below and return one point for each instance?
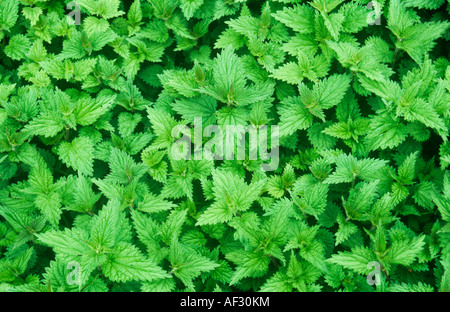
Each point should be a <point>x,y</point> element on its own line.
<point>356,260</point>
<point>135,14</point>
<point>93,25</point>
<point>17,47</point>
<point>415,38</point>
<point>232,194</point>
<point>78,155</point>
<point>423,112</point>
<point>127,263</point>
<point>187,265</point>
<point>349,168</point>
<point>50,206</point>
<point>228,76</point>
<point>105,227</point>
<point>360,199</point>
<point>202,106</point>
<point>245,25</point>
<point>69,242</point>
<point>406,172</point>
<point>9,14</point>
<point>84,197</point>
<point>424,4</point>
<point>330,91</point>
<point>345,230</point>
<point>289,72</point>
<point>123,168</point>
<point>404,251</point>
<point>162,124</point>
<point>405,287</point>
<point>153,204</point>
<point>104,8</point>
<point>87,110</point>
<point>293,116</point>
<point>189,7</point>
<point>32,14</point>
<point>251,265</point>
<point>355,17</point>
<point>334,22</point>
<point>300,18</point>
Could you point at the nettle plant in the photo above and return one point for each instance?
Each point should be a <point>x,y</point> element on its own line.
<point>93,199</point>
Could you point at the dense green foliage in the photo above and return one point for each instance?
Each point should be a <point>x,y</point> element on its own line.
<point>92,199</point>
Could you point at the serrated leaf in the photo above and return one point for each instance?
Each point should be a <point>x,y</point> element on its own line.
<point>127,263</point>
